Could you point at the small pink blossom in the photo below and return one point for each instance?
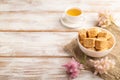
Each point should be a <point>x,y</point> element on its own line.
<point>103,65</point>
<point>73,68</point>
<point>105,19</point>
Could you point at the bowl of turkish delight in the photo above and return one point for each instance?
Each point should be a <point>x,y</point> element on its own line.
<point>95,41</point>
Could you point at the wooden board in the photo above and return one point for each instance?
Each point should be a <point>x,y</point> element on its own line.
<point>45,14</point>
<point>34,43</point>
<point>38,21</point>
<point>60,5</point>
<point>32,38</point>
<point>37,69</point>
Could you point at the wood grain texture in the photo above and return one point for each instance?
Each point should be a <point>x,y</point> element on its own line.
<point>38,21</point>
<point>34,43</point>
<point>37,69</point>
<point>36,56</point>
<point>60,5</point>
<point>32,68</point>
<point>32,37</point>
<point>45,14</point>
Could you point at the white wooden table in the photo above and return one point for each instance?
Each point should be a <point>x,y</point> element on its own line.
<point>32,38</point>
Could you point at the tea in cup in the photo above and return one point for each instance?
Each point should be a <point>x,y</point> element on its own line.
<point>73,15</point>
<point>74,12</point>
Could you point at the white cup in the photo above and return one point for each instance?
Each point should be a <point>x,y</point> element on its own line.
<point>73,18</point>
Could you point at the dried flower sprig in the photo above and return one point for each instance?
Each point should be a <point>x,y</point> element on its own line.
<point>103,65</point>
<point>105,19</point>
<point>73,68</point>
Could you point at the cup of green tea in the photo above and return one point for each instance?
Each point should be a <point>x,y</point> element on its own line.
<point>73,15</point>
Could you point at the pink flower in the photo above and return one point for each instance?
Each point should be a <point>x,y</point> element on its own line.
<point>103,65</point>
<point>72,68</point>
<point>105,19</point>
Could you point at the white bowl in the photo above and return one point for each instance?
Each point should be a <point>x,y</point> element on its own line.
<point>93,53</point>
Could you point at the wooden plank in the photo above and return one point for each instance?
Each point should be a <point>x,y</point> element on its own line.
<point>37,69</point>
<point>39,21</point>
<point>34,43</point>
<point>32,68</point>
<point>33,4</point>
<point>44,15</point>
<point>60,5</point>
<point>35,20</point>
